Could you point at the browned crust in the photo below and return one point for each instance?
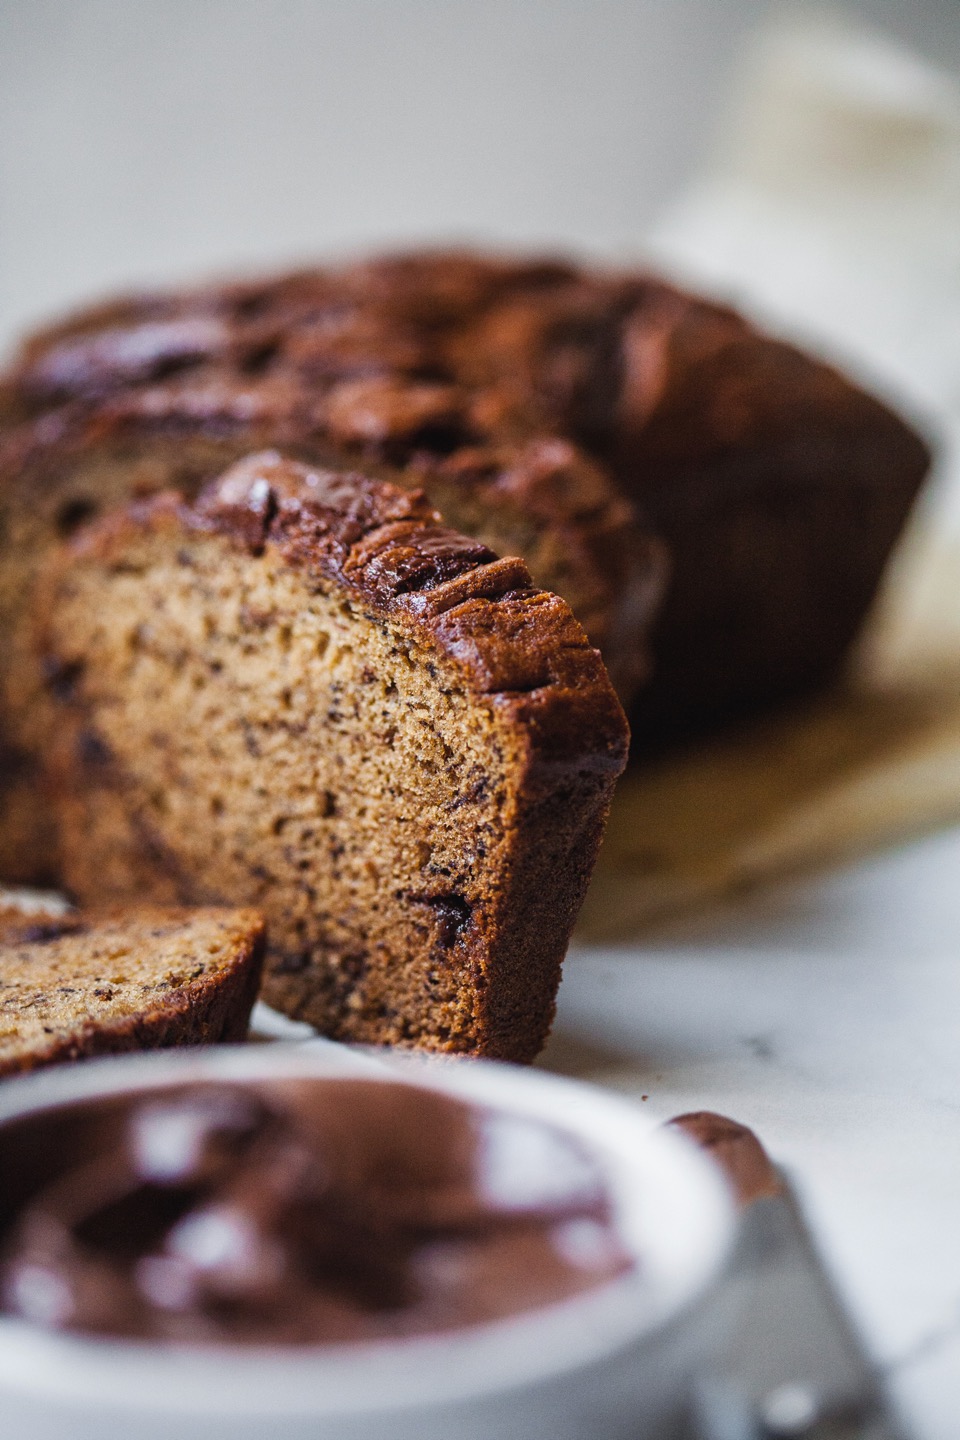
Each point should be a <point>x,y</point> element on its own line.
<point>780,488</point>
<point>389,548</point>
<point>381,315</point>
<point>611,357</point>
<point>537,486</point>
<point>213,1009</point>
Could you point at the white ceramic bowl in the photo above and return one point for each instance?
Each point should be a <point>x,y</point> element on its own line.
<point>610,1364</point>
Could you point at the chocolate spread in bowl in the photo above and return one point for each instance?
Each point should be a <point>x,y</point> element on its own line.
<point>303,1212</point>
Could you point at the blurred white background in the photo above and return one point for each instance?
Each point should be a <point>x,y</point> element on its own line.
<point>142,140</point>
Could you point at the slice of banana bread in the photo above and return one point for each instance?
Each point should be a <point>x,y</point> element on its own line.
<point>97,982</point>
<point>305,694</point>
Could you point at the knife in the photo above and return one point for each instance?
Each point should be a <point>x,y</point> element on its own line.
<point>793,1366</point>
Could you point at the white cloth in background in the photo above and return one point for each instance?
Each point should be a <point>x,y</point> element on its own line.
<point>831,212</point>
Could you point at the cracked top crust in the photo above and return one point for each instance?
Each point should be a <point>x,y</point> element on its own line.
<point>390,549</point>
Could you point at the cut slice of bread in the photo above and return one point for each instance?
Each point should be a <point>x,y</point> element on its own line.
<point>98,982</point>
<point>303,693</point>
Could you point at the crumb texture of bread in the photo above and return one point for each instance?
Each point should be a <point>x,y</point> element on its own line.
<point>306,695</point>
<point>100,982</point>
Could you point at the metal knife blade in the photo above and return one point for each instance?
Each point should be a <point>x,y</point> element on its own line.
<point>793,1366</point>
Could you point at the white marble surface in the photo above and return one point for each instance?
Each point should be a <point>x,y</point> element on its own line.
<point>826,1013</point>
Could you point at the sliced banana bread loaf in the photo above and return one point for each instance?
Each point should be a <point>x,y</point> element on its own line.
<point>549,410</point>
<point>778,486</point>
<point>305,694</point>
<point>97,982</point>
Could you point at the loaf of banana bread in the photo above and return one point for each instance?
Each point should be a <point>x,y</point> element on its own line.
<point>777,485</point>
<point>618,434</point>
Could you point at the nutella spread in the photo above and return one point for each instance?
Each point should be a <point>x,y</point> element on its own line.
<point>297,1212</point>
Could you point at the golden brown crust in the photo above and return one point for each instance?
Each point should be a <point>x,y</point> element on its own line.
<point>391,550</point>
<point>780,488</point>
<point>190,977</point>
